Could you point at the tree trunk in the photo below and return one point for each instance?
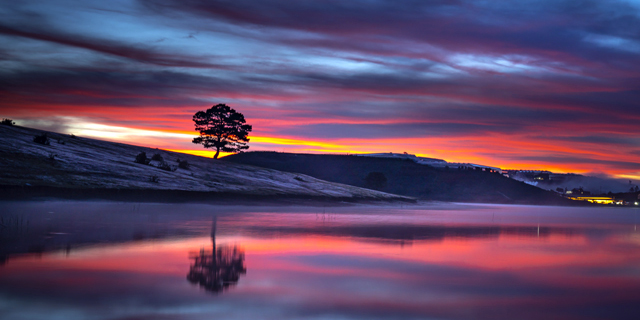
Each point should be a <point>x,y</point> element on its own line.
<point>217,153</point>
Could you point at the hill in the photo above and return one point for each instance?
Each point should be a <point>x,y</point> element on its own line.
<point>404,177</point>
<point>77,167</point>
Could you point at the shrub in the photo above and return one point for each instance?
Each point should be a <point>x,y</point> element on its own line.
<point>73,136</point>
<point>141,158</point>
<point>166,167</point>
<point>183,164</point>
<point>375,180</point>
<point>154,179</point>
<point>157,157</point>
<point>42,139</point>
<point>7,122</point>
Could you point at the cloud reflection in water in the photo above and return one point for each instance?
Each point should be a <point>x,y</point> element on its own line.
<point>581,263</point>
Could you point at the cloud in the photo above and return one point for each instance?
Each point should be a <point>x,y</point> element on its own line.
<point>599,139</point>
<point>627,165</point>
<point>108,47</point>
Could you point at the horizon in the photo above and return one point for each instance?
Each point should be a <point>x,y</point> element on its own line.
<point>530,85</point>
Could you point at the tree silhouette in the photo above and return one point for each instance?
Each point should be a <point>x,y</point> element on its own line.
<point>375,180</point>
<point>218,269</point>
<point>223,128</point>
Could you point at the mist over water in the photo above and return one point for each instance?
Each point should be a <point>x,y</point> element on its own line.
<point>107,260</point>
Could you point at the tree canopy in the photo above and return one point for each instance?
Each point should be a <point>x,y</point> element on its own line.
<point>223,128</point>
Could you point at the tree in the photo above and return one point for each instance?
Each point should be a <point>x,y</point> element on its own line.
<point>375,180</point>
<point>222,128</point>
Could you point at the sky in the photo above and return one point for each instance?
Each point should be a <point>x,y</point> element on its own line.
<point>547,84</point>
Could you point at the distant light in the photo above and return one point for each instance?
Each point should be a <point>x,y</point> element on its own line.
<point>636,203</point>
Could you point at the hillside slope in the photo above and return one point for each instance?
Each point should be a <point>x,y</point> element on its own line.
<point>76,163</point>
<point>405,177</point>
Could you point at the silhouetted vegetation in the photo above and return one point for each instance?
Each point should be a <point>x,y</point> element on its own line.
<point>7,122</point>
<point>157,157</point>
<point>183,164</point>
<point>222,128</point>
<point>141,158</point>
<point>375,180</point>
<point>42,139</point>
<point>166,167</point>
<point>12,224</point>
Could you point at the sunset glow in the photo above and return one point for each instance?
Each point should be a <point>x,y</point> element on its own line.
<point>544,85</point>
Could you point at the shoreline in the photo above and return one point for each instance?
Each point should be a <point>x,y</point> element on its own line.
<point>37,193</point>
<point>48,193</point>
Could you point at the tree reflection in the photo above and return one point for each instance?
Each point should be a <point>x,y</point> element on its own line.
<point>218,269</point>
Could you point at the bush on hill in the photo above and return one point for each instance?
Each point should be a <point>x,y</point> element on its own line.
<point>42,139</point>
<point>183,164</point>
<point>166,167</point>
<point>141,158</point>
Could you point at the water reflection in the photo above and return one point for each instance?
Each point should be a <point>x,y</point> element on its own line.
<point>217,269</point>
<point>409,233</point>
<point>521,263</point>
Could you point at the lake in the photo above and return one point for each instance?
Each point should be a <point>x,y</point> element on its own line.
<point>111,260</point>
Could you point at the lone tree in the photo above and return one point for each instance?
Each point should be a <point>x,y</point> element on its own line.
<point>222,128</point>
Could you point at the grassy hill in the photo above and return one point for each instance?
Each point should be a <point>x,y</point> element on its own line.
<point>404,177</point>
<point>69,166</point>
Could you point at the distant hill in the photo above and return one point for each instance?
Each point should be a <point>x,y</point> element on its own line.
<point>76,167</point>
<point>404,177</point>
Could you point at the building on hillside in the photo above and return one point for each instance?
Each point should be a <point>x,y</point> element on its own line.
<point>598,199</point>
<point>467,166</point>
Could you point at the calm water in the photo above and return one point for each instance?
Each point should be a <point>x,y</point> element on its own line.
<point>105,260</point>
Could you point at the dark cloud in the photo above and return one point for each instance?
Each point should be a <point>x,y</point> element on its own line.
<point>104,46</point>
<point>117,88</point>
<point>628,165</point>
<point>461,25</point>
<point>395,130</point>
<point>599,139</point>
